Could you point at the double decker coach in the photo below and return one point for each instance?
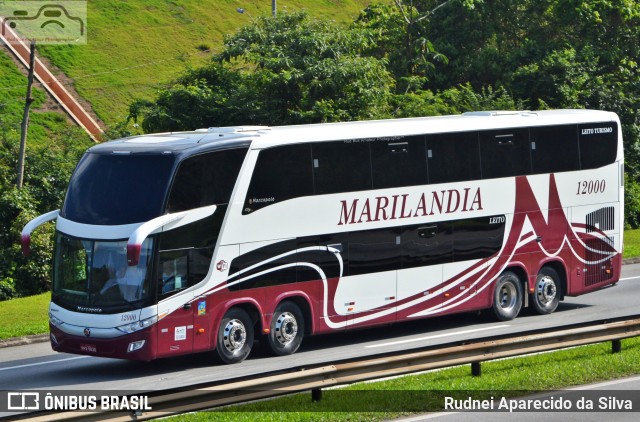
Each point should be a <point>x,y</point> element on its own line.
<point>177,243</point>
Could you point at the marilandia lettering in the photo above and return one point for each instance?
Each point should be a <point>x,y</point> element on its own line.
<point>383,208</point>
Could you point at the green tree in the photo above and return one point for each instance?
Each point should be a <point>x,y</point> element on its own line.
<point>632,202</point>
<point>48,170</point>
<point>284,70</point>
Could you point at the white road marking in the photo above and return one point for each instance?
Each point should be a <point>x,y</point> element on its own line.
<point>43,363</point>
<point>437,336</point>
<point>628,278</point>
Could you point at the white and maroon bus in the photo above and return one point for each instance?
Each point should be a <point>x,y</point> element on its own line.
<point>177,243</point>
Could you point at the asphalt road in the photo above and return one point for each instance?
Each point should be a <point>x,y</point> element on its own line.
<point>35,366</point>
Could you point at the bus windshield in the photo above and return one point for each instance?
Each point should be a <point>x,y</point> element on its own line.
<point>114,189</point>
<point>93,276</point>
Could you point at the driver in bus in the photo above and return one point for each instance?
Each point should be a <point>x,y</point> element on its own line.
<point>128,279</point>
<point>130,282</point>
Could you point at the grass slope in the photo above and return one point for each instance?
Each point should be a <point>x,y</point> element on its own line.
<point>24,316</point>
<point>46,122</point>
<point>135,46</point>
<point>631,243</point>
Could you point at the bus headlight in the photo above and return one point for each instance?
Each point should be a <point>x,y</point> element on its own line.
<point>137,326</point>
<point>54,320</point>
<point>136,345</point>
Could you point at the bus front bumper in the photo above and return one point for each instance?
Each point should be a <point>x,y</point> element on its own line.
<point>140,345</point>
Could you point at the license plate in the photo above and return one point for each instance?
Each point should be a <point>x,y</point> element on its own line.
<point>90,348</point>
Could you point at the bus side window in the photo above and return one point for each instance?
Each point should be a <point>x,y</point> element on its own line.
<point>343,166</point>
<point>205,179</point>
<point>505,153</point>
<point>598,144</point>
<point>453,157</point>
<point>174,266</point>
<point>182,268</point>
<point>477,238</point>
<point>185,253</point>
<point>554,149</point>
<point>398,163</point>
<point>280,173</point>
<point>373,251</point>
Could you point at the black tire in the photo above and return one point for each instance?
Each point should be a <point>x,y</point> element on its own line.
<point>547,291</point>
<point>287,329</point>
<point>507,296</point>
<point>235,336</point>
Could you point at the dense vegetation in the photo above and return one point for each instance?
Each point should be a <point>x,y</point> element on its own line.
<point>54,148</point>
<point>396,59</point>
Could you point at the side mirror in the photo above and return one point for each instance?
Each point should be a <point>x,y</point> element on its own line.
<point>31,226</point>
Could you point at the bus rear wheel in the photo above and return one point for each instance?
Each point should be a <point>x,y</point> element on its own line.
<point>507,296</point>
<point>547,291</point>
<point>235,336</point>
<point>287,329</point>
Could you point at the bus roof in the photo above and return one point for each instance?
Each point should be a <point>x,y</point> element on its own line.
<point>260,137</point>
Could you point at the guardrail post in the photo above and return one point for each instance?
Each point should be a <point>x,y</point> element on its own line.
<point>316,394</point>
<point>476,370</point>
<point>616,346</point>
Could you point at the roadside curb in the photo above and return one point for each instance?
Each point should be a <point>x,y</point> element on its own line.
<point>41,338</point>
<point>21,341</point>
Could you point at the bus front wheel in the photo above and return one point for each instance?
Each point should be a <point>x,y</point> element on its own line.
<point>547,291</point>
<point>287,329</point>
<point>507,296</point>
<point>235,336</point>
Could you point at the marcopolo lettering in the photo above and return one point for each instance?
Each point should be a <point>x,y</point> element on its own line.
<point>383,208</point>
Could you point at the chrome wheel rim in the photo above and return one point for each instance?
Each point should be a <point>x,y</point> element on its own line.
<point>546,290</point>
<point>508,296</point>
<point>235,335</point>
<point>286,328</point>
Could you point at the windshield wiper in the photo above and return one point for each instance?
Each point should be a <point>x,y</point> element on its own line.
<point>135,308</point>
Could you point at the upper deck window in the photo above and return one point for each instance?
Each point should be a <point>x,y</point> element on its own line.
<point>598,144</point>
<point>554,149</point>
<point>453,157</point>
<point>114,189</point>
<point>281,173</point>
<point>505,153</point>
<point>343,166</point>
<point>399,162</point>
<point>206,179</point>
<point>321,168</point>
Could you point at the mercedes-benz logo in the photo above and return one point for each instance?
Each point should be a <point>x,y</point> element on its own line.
<point>87,332</point>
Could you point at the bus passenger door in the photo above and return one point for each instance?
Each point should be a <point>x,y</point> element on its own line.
<point>425,248</point>
<point>175,328</point>
<point>368,294</point>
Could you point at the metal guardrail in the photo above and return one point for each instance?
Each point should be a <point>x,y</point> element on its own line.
<point>169,403</point>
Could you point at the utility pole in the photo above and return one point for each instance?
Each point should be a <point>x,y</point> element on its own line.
<point>273,8</point>
<point>25,117</point>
